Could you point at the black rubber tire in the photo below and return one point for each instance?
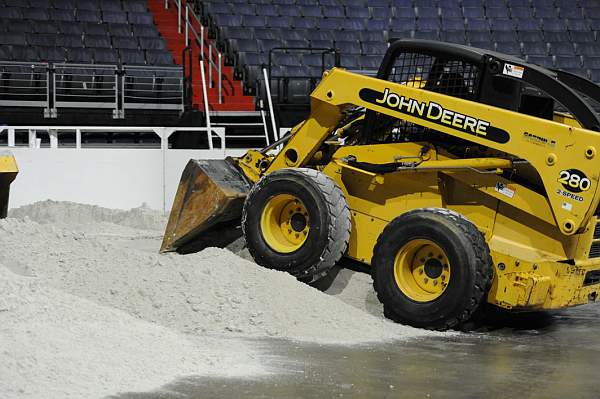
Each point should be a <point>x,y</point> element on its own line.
<point>329,214</point>
<point>469,258</point>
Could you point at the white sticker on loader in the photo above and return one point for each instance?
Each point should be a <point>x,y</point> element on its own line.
<point>567,206</point>
<point>505,190</point>
<point>513,70</point>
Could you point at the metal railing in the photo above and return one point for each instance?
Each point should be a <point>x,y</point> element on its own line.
<point>63,85</point>
<point>82,137</point>
<point>189,24</point>
<point>25,84</point>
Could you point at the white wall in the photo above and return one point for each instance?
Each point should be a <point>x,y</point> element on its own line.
<point>112,178</point>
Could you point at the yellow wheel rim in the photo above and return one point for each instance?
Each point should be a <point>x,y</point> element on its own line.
<point>422,270</point>
<point>284,223</point>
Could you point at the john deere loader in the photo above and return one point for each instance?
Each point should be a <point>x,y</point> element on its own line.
<point>8,172</point>
<point>460,175</point>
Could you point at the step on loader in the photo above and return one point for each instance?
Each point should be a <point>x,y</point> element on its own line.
<point>461,176</point>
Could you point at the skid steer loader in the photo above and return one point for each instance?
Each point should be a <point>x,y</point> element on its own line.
<point>460,175</point>
<point>8,172</point>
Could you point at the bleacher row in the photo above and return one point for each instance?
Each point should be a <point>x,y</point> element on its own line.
<point>554,33</point>
<point>80,31</point>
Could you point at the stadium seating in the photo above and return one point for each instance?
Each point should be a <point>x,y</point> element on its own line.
<point>84,31</point>
<point>553,33</point>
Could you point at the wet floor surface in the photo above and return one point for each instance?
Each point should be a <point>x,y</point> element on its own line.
<point>543,356</point>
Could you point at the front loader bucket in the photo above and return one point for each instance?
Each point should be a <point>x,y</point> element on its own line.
<point>8,172</point>
<point>210,196</point>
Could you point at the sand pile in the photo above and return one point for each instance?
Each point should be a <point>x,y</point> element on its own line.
<point>56,345</point>
<point>84,313</point>
<point>70,214</point>
<point>213,292</point>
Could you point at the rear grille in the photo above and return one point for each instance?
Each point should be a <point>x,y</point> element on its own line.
<point>592,277</point>
<point>595,250</point>
<point>597,231</point>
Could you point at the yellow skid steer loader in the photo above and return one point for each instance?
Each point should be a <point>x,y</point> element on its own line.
<point>460,175</point>
<point>8,172</point>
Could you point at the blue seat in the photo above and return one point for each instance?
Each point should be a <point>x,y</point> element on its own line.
<point>427,34</point>
<point>497,12</point>
<point>528,24</point>
<point>311,11</point>
<point>51,54</point>
<point>475,24</point>
<point>131,57</point>
<point>588,49</point>
<point>322,44</point>
<point>41,39</point>
<point>71,28</point>
<point>86,5</point>
<point>95,29</point>
<point>360,12</point>
<point>535,48</point>
<point>545,12</point>
<point>88,16</point>
<point>594,23</point>
<point>346,47</point>
<point>339,35</point>
<point>577,25</point>
<point>135,6</point>
<point>336,12</point>
<point>111,5</point>
<point>12,38</point>
<point>350,62</point>
<point>401,12</point>
<point>562,48</point>
<point>563,62</point>
<point>227,19</point>
<point>69,41</point>
<point>120,42</point>
<point>45,27</point>
<point>153,43</point>
<point>473,12</point>
<point>521,12</point>
<point>245,9</point>
<point>479,36</point>
<point>218,8</point>
<point>376,13</point>
<point>239,32</point>
<point>453,36</point>
<point>591,62</point>
<point>293,34</point>
<point>370,62</point>
<point>571,12</point>
<point>61,15</point>
<point>428,24</point>
<point>296,43</point>
<point>80,55</point>
<point>427,12</point>
<point>279,22</point>
<point>159,57</point>
<point>322,35</point>
<point>64,4</point>
<point>530,36</point>
<point>106,56</point>
<point>557,36</point>
<point>266,10</point>
<point>453,24</point>
<point>305,23</point>
<point>97,41</point>
<point>504,36</point>
<point>541,60</point>
<point>371,24</point>
<point>121,30</point>
<point>505,24</point>
<point>374,48</point>
<point>114,17</point>
<point>144,30</point>
<point>582,37</point>
<point>36,14</point>
<point>371,36</point>
<point>453,12</point>
<point>509,48</point>
<point>139,18</point>
<point>553,25</point>
<point>289,11</point>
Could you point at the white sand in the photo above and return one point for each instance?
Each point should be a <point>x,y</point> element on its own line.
<point>102,256</point>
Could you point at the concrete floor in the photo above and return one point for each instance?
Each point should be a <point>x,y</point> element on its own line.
<point>543,356</point>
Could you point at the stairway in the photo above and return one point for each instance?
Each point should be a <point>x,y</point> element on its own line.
<point>233,94</point>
